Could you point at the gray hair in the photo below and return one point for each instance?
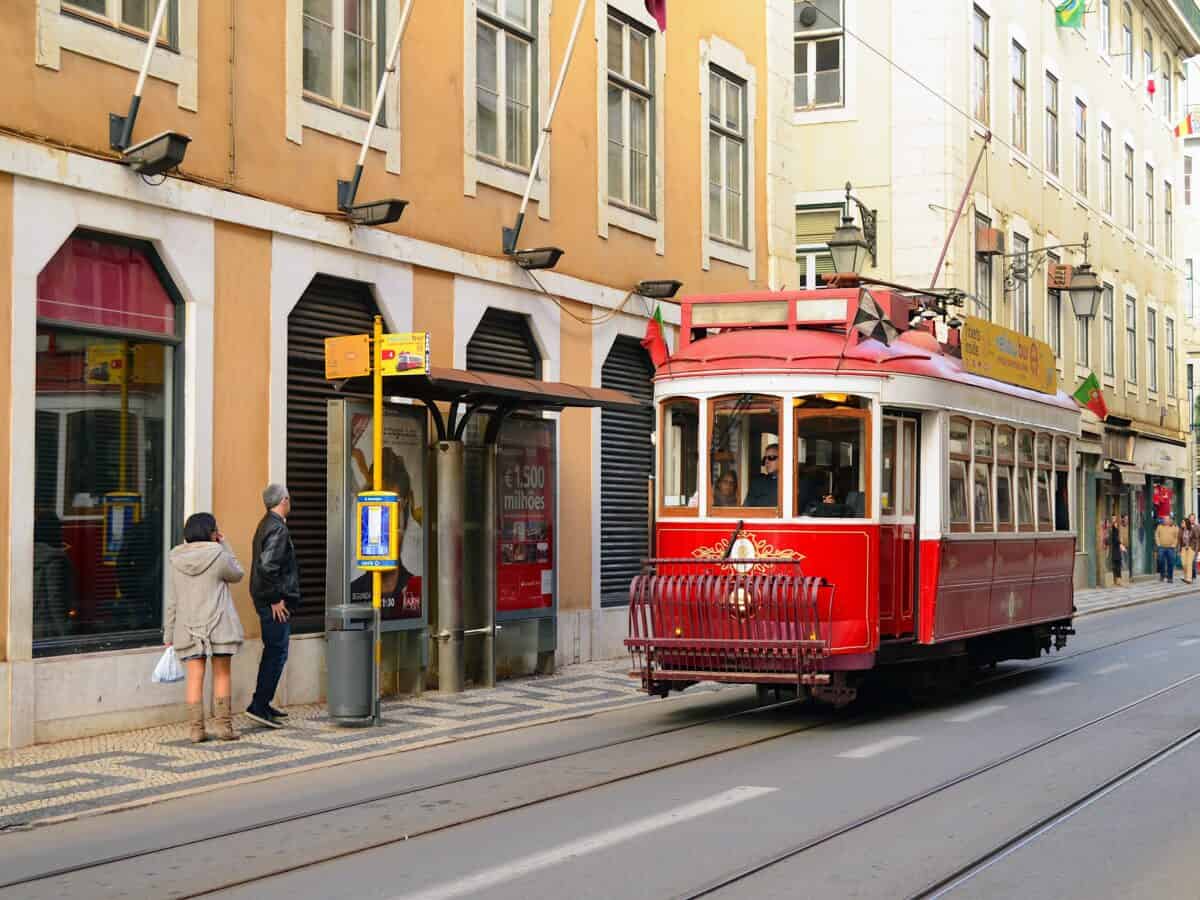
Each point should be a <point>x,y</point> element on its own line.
<point>273,495</point>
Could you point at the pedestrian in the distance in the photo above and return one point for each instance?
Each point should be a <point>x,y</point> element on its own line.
<point>1188,542</point>
<point>1166,539</point>
<point>201,621</point>
<point>275,587</point>
<point>1113,539</point>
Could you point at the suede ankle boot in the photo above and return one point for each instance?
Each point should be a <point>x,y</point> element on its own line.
<point>196,721</point>
<point>223,720</point>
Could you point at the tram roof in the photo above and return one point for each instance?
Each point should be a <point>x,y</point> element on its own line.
<point>810,350</point>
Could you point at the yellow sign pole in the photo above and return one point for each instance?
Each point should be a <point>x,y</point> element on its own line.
<point>124,374</point>
<point>377,485</point>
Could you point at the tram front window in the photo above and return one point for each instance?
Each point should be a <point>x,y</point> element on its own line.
<point>680,431</point>
<point>831,460</point>
<point>743,455</point>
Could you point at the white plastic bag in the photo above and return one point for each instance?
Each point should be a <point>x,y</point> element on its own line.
<point>168,670</point>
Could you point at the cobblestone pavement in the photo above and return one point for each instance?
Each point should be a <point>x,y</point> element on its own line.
<point>50,782</point>
<point>54,781</point>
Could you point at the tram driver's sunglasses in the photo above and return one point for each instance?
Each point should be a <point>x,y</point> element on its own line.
<point>767,459</point>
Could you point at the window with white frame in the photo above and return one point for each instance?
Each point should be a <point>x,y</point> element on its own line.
<point>630,114</point>
<point>341,52</point>
<point>726,157</point>
<point>1110,334</point>
<point>1127,39</point>
<point>980,88</point>
<point>983,270</point>
<point>1052,125</point>
<point>1168,87</point>
<point>1106,174</point>
<point>818,53</point>
<point>1081,185</point>
<point>1131,350</point>
<point>1020,123</point>
<point>1152,350</point>
<point>1147,57</point>
<point>814,228</point>
<point>1169,324</point>
<point>1150,205</point>
<point>506,81</point>
<point>1130,209</point>
<point>1105,26</point>
<point>131,16</point>
<point>1054,313</point>
<point>1021,312</point>
<point>1168,219</point>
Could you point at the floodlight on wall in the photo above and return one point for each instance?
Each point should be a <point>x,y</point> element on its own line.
<point>537,257</point>
<point>381,212</point>
<point>656,289</point>
<point>157,155</point>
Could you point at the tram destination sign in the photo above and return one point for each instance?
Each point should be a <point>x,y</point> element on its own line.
<point>994,351</point>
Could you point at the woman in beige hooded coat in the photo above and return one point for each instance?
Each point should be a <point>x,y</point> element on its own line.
<point>201,620</point>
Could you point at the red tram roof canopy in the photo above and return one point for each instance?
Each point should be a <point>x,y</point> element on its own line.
<point>806,331</point>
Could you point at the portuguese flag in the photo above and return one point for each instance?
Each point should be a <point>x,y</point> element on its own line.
<point>1088,395</point>
<point>654,342</point>
<point>1069,13</point>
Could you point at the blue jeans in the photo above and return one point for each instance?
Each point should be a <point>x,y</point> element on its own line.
<point>1166,563</point>
<point>275,637</point>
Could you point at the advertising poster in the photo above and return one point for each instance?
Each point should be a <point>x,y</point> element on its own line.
<point>525,556</point>
<point>994,351</point>
<point>403,473</point>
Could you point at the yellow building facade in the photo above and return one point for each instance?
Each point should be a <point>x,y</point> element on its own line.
<point>215,283</point>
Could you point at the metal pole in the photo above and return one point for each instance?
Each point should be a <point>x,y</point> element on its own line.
<point>937,270</point>
<point>546,129</point>
<point>124,426</point>
<point>136,100</point>
<point>347,193</point>
<point>488,581</point>
<point>377,485</point>
<point>450,561</point>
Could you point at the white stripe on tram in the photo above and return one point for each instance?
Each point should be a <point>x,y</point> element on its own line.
<point>977,713</point>
<point>869,750</point>
<point>1108,670</point>
<point>1055,688</point>
<point>519,868</point>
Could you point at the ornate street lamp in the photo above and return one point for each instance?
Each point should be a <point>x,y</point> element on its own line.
<point>1085,291</point>
<point>850,245</point>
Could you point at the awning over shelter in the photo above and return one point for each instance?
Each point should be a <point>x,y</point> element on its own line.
<point>499,395</point>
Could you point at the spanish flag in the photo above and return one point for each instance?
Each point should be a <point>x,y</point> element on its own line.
<point>1185,128</point>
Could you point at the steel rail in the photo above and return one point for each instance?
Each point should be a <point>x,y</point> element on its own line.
<point>910,801</point>
<point>499,770</point>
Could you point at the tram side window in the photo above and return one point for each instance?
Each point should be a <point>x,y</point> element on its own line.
<point>832,457</point>
<point>743,454</point>
<point>960,458</point>
<point>1062,478</point>
<point>1025,481</point>
<point>680,434</point>
<point>887,487</point>
<point>1005,457</point>
<point>910,472</point>
<point>1044,504</point>
<point>982,490</point>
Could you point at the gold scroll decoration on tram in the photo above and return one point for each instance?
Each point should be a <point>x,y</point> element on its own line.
<point>994,351</point>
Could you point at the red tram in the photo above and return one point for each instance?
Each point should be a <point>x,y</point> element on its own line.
<point>828,504</point>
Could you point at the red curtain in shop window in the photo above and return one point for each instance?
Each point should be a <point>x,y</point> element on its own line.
<point>93,282</point>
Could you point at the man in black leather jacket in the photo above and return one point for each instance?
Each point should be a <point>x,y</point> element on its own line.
<point>275,587</point>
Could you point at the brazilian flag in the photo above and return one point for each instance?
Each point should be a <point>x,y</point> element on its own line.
<point>1069,13</point>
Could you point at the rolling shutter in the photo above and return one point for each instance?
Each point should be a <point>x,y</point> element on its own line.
<point>504,345</point>
<point>329,308</point>
<point>626,456</point>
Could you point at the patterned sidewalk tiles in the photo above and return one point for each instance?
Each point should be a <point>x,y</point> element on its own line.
<point>52,782</point>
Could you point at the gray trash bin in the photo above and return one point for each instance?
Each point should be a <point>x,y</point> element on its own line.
<point>349,648</point>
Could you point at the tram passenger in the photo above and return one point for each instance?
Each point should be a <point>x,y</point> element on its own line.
<point>764,488</point>
<point>829,508</point>
<point>725,491</point>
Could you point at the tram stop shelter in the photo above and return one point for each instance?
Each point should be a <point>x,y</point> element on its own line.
<point>463,403</point>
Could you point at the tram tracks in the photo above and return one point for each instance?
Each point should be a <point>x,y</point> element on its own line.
<point>779,733</point>
<point>978,864</point>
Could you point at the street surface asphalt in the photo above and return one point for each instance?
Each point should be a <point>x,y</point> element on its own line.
<point>1070,776</point>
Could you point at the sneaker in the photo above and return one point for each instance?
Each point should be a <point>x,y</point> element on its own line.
<point>263,718</point>
<point>276,713</point>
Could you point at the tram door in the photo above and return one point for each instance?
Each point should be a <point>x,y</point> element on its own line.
<point>898,533</point>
